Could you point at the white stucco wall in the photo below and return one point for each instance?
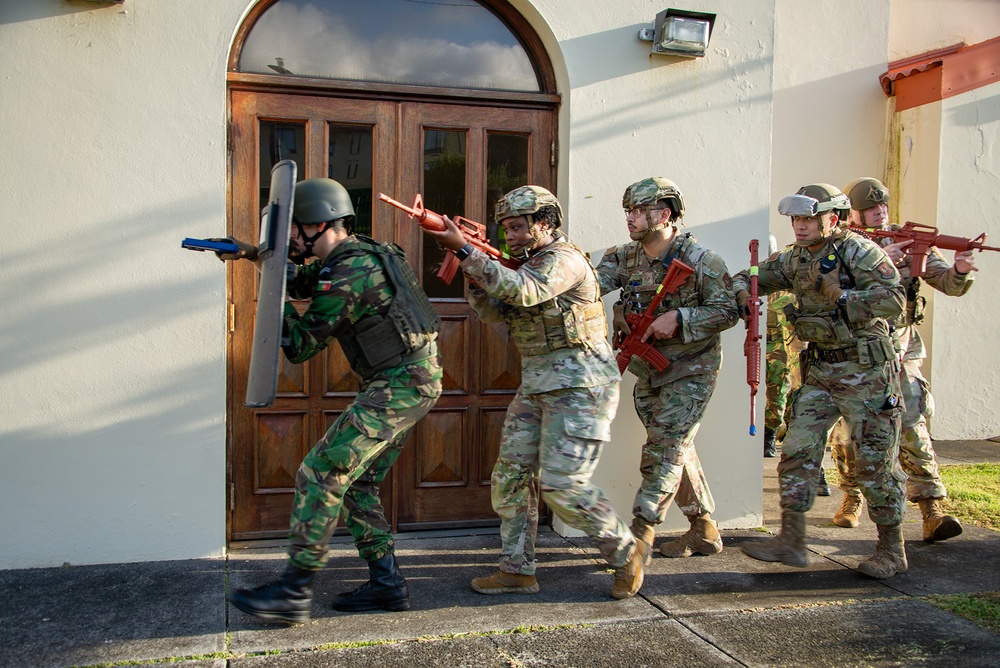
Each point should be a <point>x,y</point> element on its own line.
<point>949,178</point>
<point>829,111</point>
<point>112,432</point>
<point>705,123</point>
<point>966,349</point>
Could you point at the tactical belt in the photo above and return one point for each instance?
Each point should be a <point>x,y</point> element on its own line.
<point>833,356</point>
<point>865,352</point>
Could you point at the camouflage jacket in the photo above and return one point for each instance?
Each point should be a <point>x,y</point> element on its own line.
<point>941,276</point>
<point>343,289</point>
<point>875,297</point>
<point>557,277</point>
<point>705,303</point>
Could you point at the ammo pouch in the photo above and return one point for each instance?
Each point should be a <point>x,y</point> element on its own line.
<point>552,328</point>
<point>585,324</point>
<point>372,345</point>
<point>830,328</point>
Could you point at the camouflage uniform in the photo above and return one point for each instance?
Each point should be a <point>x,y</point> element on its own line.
<point>671,403</point>
<point>851,369</point>
<point>342,473</point>
<point>783,373</point>
<point>560,418</point>
<point>916,452</point>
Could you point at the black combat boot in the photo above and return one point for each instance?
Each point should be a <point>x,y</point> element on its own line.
<point>770,442</point>
<point>823,488</point>
<point>385,590</point>
<point>288,599</point>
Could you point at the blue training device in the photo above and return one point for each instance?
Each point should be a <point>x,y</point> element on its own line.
<point>207,245</point>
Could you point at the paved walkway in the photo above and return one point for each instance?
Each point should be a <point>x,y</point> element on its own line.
<point>726,610</point>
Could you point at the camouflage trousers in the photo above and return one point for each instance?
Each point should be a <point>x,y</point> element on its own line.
<point>550,446</point>
<point>916,451</point>
<point>782,377</point>
<point>864,396</point>
<point>670,466</point>
<point>342,473</point>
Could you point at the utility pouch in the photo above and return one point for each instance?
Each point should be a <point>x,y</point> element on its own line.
<point>842,330</point>
<point>815,329</point>
<point>864,356</point>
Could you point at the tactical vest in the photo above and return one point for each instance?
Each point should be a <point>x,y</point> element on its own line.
<point>399,335</point>
<point>811,316</point>
<point>640,280</point>
<point>560,322</point>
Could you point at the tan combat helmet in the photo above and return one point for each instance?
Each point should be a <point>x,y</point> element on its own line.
<point>866,192</point>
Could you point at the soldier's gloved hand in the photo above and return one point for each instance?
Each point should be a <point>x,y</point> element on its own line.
<point>246,251</point>
<point>742,299</point>
<point>619,322</point>
<point>829,285</point>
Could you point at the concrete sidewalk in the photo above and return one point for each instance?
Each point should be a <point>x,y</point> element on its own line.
<point>703,611</point>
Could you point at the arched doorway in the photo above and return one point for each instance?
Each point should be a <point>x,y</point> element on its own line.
<point>461,112</point>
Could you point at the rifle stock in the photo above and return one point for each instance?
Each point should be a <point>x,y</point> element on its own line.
<point>632,345</point>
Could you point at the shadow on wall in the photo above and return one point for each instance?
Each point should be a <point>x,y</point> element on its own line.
<point>623,115</point>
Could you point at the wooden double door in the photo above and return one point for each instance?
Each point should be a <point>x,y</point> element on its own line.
<point>461,157</point>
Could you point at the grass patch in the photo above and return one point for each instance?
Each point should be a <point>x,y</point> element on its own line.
<point>983,609</point>
<point>973,493</point>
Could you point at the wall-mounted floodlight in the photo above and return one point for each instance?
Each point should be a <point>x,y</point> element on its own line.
<point>677,32</point>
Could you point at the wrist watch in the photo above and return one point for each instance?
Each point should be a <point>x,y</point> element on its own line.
<point>842,299</point>
<point>463,252</point>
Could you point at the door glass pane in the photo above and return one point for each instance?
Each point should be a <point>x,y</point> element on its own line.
<point>444,192</point>
<point>506,169</point>
<point>456,44</point>
<point>280,140</point>
<point>351,164</point>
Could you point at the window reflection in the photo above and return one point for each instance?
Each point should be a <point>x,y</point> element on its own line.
<point>444,192</point>
<point>451,43</point>
<point>350,163</point>
<point>506,169</point>
<point>279,141</point>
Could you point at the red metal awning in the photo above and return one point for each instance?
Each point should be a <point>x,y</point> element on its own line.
<point>942,73</point>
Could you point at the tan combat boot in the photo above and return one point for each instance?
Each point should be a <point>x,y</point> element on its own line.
<point>788,547</point>
<point>702,538</point>
<point>850,512</point>
<point>506,583</point>
<point>890,555</point>
<point>644,531</point>
<point>937,525</point>
<point>628,578</point>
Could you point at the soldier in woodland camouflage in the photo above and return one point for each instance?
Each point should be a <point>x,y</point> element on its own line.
<point>869,208</point>
<point>847,293</point>
<point>363,295</point>
<point>560,418</point>
<point>686,331</point>
<point>782,373</point>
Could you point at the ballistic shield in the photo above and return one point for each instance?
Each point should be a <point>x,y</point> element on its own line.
<point>275,229</point>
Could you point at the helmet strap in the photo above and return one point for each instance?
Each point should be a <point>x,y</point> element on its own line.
<point>308,242</point>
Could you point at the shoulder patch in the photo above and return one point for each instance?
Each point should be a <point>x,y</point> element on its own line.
<point>885,269</point>
<point>727,280</point>
<point>610,251</point>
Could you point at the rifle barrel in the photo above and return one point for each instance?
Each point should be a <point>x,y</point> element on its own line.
<point>398,205</point>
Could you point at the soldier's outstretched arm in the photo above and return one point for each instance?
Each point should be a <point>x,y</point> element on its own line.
<point>607,272</point>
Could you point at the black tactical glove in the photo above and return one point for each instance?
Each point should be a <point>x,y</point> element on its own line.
<point>246,251</point>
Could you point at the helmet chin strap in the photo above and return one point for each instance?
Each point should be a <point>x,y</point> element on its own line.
<point>308,242</point>
<point>651,226</point>
<point>536,236</point>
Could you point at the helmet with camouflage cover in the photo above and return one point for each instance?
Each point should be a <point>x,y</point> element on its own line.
<point>527,201</point>
<point>322,201</point>
<point>648,193</point>
<point>866,192</point>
